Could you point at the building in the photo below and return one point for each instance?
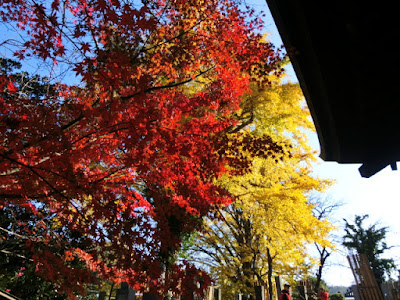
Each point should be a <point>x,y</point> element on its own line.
<point>345,56</point>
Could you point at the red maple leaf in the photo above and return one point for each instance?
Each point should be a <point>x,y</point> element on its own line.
<point>129,157</point>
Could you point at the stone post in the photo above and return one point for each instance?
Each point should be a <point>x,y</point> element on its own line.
<point>102,296</point>
<point>217,294</point>
<point>260,292</point>
<point>125,292</point>
<point>278,285</point>
<point>148,296</point>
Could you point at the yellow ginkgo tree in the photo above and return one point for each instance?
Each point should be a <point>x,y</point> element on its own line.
<point>265,232</point>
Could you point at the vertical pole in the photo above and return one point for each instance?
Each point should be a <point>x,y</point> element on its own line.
<point>217,294</point>
<point>278,285</point>
<point>302,291</point>
<point>260,292</point>
<point>238,296</point>
<point>210,294</point>
<point>125,292</point>
<point>102,296</point>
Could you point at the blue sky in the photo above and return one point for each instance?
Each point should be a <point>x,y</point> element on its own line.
<point>377,196</point>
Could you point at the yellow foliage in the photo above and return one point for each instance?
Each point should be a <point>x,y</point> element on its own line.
<point>270,224</point>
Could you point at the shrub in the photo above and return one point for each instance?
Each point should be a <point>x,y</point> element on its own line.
<point>337,296</point>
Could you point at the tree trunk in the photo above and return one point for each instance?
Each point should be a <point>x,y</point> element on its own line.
<point>270,285</point>
<point>323,255</point>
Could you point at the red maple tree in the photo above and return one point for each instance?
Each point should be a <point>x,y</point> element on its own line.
<point>128,157</point>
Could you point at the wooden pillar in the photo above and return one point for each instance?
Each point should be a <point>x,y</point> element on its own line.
<point>368,288</point>
<point>302,291</point>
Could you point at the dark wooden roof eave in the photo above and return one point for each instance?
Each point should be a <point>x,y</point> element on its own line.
<point>350,95</point>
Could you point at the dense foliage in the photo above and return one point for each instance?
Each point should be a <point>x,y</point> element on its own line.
<point>127,157</point>
<point>23,231</point>
<point>371,242</point>
<point>18,252</point>
<point>265,231</point>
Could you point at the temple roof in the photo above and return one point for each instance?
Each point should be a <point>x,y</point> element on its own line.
<point>344,54</point>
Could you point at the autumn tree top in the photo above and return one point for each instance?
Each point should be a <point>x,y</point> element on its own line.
<point>127,157</point>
